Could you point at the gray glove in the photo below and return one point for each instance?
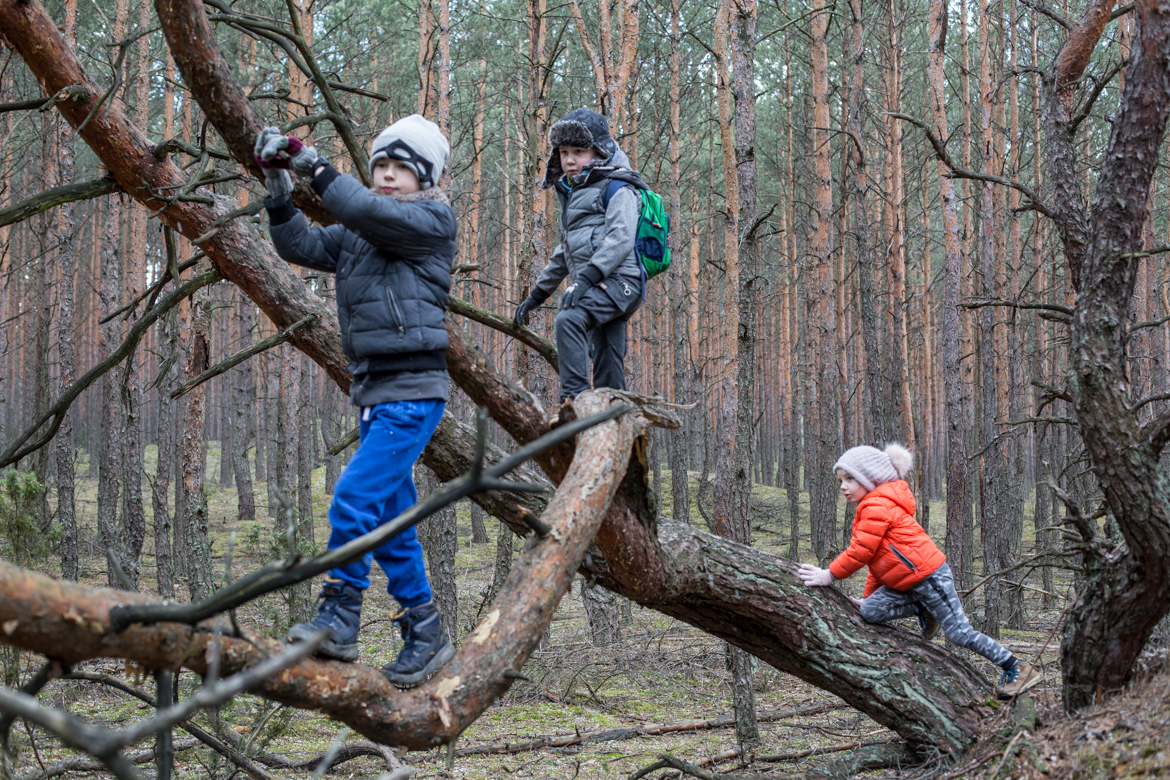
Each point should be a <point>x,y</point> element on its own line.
<point>271,148</point>
<point>305,161</point>
<point>278,182</point>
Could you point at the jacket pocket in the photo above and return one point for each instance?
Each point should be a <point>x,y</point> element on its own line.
<point>905,561</point>
<point>395,311</point>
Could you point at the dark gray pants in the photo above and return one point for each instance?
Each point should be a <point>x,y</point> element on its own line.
<point>937,595</point>
<point>596,329</point>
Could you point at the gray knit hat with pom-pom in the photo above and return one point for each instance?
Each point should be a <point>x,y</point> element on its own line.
<point>872,467</point>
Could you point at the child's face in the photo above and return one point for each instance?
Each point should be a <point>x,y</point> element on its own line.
<point>394,177</point>
<point>853,490</point>
<point>575,158</point>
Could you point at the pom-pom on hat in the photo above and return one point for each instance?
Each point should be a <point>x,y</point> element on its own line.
<point>582,128</point>
<point>416,141</point>
<point>872,467</point>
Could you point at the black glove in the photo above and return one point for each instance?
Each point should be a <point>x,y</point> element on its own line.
<point>581,285</point>
<point>520,318</point>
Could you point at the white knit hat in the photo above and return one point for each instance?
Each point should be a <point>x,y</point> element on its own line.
<point>872,467</point>
<point>416,141</point>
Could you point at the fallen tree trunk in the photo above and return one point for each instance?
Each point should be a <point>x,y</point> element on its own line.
<point>751,598</point>
<point>70,622</point>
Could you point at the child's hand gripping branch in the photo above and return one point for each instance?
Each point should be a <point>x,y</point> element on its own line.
<point>276,153</point>
<point>908,575</point>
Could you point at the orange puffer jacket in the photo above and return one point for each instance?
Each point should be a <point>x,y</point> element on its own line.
<point>888,540</point>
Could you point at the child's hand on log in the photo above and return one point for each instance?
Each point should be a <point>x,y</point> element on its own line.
<point>814,576</point>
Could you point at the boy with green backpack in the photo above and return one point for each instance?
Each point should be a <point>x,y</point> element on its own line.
<point>613,238</point>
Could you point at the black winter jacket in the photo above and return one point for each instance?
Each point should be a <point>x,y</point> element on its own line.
<point>392,257</point>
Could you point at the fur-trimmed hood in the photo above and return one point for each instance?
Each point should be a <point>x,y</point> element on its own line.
<point>585,129</point>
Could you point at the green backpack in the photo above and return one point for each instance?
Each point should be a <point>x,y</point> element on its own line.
<point>651,243</point>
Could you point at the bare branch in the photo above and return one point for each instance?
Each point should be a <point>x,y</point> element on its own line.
<point>225,365</point>
<point>68,193</point>
<point>1098,88</point>
<point>1040,7</point>
<point>979,304</point>
<point>542,346</point>
<point>940,151</point>
<point>277,576</point>
<point>1157,433</point>
<point>55,413</point>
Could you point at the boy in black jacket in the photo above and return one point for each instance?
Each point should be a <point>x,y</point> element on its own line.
<point>391,253</point>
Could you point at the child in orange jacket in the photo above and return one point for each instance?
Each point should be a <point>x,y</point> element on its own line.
<point>908,575</point>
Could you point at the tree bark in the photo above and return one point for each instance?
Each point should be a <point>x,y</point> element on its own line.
<point>1125,595</point>
<point>242,408</point>
<point>680,359</point>
<point>958,509</point>
<point>66,353</point>
<point>110,452</point>
<point>191,510</point>
<point>439,538</point>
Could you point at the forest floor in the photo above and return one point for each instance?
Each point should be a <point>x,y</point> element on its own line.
<point>661,672</point>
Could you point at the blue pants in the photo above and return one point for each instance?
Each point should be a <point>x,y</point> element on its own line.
<point>376,486</point>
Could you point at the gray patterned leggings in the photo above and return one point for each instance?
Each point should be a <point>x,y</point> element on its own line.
<point>937,595</point>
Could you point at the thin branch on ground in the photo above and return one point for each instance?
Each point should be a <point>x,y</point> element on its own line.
<point>632,732</point>
<point>237,757</point>
<point>106,746</point>
<point>89,765</point>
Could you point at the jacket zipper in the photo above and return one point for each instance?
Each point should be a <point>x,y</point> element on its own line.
<point>395,312</point>
<point>903,558</point>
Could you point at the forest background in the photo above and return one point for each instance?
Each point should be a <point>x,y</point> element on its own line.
<point>814,302</point>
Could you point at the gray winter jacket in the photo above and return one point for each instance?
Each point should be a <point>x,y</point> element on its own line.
<point>590,233</point>
<point>392,257</point>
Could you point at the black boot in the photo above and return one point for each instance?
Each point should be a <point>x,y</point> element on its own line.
<point>425,646</point>
<point>340,613</point>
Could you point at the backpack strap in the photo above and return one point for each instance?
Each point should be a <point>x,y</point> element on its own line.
<point>611,189</point>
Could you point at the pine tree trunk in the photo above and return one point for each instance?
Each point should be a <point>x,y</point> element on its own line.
<point>66,353</point>
<point>111,449</point>
<point>958,538</point>
<point>439,537</point>
<point>677,440</point>
<point>191,522</point>
<point>478,529</point>
<point>168,338</point>
<point>503,563</point>
<point>242,416</point>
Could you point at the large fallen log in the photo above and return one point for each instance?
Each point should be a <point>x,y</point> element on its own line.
<point>70,622</point>
<point>751,598</point>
